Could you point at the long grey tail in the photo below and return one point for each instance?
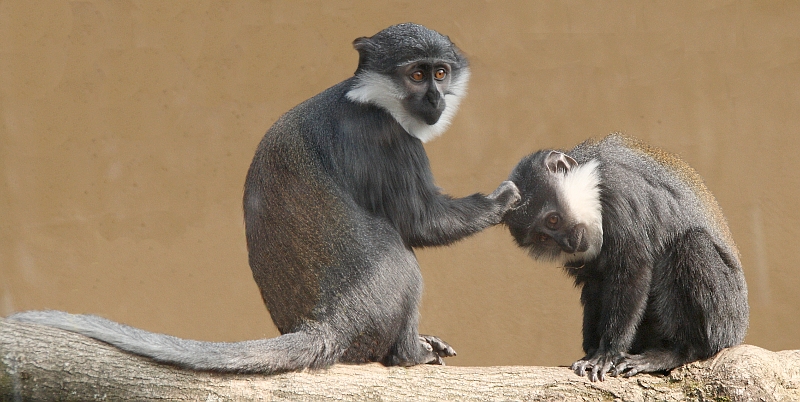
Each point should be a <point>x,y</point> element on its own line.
<point>288,352</point>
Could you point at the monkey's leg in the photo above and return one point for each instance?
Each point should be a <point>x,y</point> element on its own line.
<point>694,311</point>
<point>621,297</point>
<point>413,348</point>
<point>590,294</point>
<point>423,349</point>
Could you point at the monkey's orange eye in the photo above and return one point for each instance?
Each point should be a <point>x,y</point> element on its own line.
<point>553,220</point>
<point>417,76</point>
<point>440,74</point>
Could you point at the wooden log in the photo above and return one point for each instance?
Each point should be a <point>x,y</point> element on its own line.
<point>41,363</point>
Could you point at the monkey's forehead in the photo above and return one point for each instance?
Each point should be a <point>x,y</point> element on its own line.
<point>397,34</point>
<point>426,60</point>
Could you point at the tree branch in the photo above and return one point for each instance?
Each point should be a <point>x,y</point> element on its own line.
<point>42,363</point>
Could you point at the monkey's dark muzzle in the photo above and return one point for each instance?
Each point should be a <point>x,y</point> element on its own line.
<point>574,240</point>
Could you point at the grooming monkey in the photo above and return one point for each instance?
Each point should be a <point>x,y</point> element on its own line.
<point>660,277</point>
<point>338,193</point>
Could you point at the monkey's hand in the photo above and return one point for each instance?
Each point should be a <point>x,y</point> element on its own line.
<point>506,196</point>
<point>634,364</point>
<point>437,347</point>
<point>649,361</point>
<point>596,366</point>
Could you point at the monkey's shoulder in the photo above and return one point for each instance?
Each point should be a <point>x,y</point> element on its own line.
<point>663,181</point>
<point>657,165</point>
<point>317,110</point>
<point>332,116</point>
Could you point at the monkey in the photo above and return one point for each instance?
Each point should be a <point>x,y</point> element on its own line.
<point>338,195</point>
<point>645,241</point>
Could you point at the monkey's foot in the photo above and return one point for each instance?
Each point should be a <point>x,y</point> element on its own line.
<point>437,347</point>
<point>648,362</point>
<point>596,367</point>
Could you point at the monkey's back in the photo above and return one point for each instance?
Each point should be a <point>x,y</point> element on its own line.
<point>667,193</point>
<point>289,211</point>
<point>318,257</point>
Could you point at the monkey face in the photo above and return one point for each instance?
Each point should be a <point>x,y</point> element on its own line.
<point>549,236</point>
<point>559,217</point>
<point>419,76</point>
<point>426,83</point>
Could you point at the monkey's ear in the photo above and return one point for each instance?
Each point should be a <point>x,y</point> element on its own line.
<point>559,162</point>
<point>365,47</point>
<point>362,43</point>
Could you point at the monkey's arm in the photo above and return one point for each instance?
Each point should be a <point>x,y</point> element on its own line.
<point>387,172</point>
<point>623,298</point>
<point>444,220</point>
<point>590,293</point>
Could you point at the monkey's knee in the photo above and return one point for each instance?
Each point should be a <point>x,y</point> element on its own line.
<point>707,289</point>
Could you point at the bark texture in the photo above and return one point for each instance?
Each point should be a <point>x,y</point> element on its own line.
<point>40,363</point>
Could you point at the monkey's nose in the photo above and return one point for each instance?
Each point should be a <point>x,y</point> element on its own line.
<point>435,99</point>
<point>575,240</point>
<point>566,245</point>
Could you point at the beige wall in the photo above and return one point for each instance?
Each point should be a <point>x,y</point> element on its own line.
<point>126,129</point>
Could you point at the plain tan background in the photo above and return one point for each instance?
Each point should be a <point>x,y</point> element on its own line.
<point>126,129</point>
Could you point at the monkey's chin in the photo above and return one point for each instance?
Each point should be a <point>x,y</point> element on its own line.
<point>543,254</point>
<point>556,255</point>
<point>572,259</point>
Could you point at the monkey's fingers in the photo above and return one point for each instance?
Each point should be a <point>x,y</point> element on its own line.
<point>440,347</point>
<point>631,372</point>
<point>433,357</point>
<point>635,364</point>
<point>597,373</point>
<point>626,368</point>
<point>620,368</point>
<point>600,366</point>
<point>581,366</point>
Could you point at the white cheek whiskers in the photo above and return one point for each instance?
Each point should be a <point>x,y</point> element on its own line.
<point>377,89</point>
<point>579,191</point>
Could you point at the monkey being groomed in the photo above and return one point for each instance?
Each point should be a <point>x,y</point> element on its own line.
<point>660,277</point>
<point>339,192</point>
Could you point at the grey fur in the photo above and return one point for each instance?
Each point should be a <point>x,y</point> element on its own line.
<point>337,195</point>
<point>667,286</point>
